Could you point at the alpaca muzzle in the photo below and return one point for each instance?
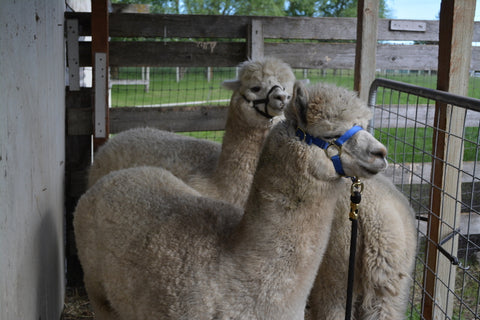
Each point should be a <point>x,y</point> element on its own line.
<point>264,101</point>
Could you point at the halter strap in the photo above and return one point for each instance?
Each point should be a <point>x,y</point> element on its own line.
<point>265,101</point>
<point>347,135</point>
<point>337,163</point>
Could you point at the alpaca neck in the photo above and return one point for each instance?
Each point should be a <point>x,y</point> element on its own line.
<point>238,160</point>
<point>284,232</point>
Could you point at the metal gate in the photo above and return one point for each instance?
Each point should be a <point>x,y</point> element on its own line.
<point>433,143</point>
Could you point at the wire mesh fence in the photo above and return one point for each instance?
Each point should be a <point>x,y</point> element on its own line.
<point>443,187</point>
<point>157,86</point>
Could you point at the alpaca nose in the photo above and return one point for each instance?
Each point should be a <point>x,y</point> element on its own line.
<point>379,152</point>
<point>280,95</point>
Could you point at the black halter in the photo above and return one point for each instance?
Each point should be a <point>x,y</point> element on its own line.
<point>264,101</point>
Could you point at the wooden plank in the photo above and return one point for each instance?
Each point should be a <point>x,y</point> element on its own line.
<point>403,57</point>
<point>197,118</point>
<point>255,40</point>
<point>84,22</point>
<point>192,26</point>
<point>77,160</point>
<point>200,54</point>
<point>72,55</point>
<point>298,55</point>
<point>366,47</point>
<point>203,118</point>
<point>178,26</point>
<point>456,31</point>
<point>100,39</point>
<point>100,105</point>
<point>314,55</point>
<point>342,55</point>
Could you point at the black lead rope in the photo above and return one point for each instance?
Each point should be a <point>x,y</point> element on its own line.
<point>355,198</point>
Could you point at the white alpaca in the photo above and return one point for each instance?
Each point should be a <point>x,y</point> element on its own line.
<point>152,248</point>
<point>224,172</point>
<point>385,255</point>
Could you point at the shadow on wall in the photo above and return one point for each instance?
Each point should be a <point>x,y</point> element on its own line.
<point>50,278</point>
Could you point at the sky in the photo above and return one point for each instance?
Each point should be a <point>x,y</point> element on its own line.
<point>419,9</point>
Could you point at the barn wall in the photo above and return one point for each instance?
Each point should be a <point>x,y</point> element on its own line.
<point>32,158</point>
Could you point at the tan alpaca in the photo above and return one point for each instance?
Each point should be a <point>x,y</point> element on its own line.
<point>220,171</point>
<point>386,244</point>
<point>152,248</point>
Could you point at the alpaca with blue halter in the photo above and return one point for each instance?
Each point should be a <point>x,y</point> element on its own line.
<point>384,256</point>
<point>355,198</point>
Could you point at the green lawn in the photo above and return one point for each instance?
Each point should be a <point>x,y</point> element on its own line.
<point>405,145</point>
<point>415,145</point>
<point>193,85</point>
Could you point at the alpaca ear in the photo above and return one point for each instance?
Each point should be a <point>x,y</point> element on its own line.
<point>231,84</point>
<point>300,98</point>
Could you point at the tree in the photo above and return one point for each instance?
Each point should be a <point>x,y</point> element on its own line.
<point>328,8</point>
<point>260,7</point>
<point>307,8</point>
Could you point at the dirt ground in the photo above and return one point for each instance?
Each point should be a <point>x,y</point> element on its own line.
<point>77,306</point>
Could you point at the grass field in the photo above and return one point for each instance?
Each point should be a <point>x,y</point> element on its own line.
<point>407,145</point>
<point>193,84</point>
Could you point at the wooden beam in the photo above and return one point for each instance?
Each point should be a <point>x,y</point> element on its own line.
<point>298,55</point>
<point>73,55</point>
<point>177,119</point>
<point>77,160</point>
<point>99,22</point>
<point>255,40</point>
<point>455,46</point>
<point>366,48</point>
<point>200,26</point>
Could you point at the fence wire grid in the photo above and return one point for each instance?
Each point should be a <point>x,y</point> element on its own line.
<point>446,282</point>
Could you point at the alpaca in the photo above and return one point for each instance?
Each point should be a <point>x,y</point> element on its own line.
<point>260,94</point>
<point>386,248</point>
<point>152,248</point>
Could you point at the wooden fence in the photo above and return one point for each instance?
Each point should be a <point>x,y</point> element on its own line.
<point>205,41</point>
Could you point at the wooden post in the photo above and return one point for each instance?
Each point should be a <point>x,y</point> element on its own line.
<point>366,47</point>
<point>78,158</point>
<point>72,55</point>
<point>455,47</point>
<point>100,70</point>
<point>255,40</point>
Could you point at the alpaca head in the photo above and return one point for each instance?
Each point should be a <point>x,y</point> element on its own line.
<point>263,88</point>
<point>324,113</point>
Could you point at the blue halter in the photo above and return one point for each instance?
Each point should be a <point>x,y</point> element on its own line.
<point>337,143</point>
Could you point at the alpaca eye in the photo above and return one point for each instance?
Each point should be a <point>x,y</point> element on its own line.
<point>255,89</point>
